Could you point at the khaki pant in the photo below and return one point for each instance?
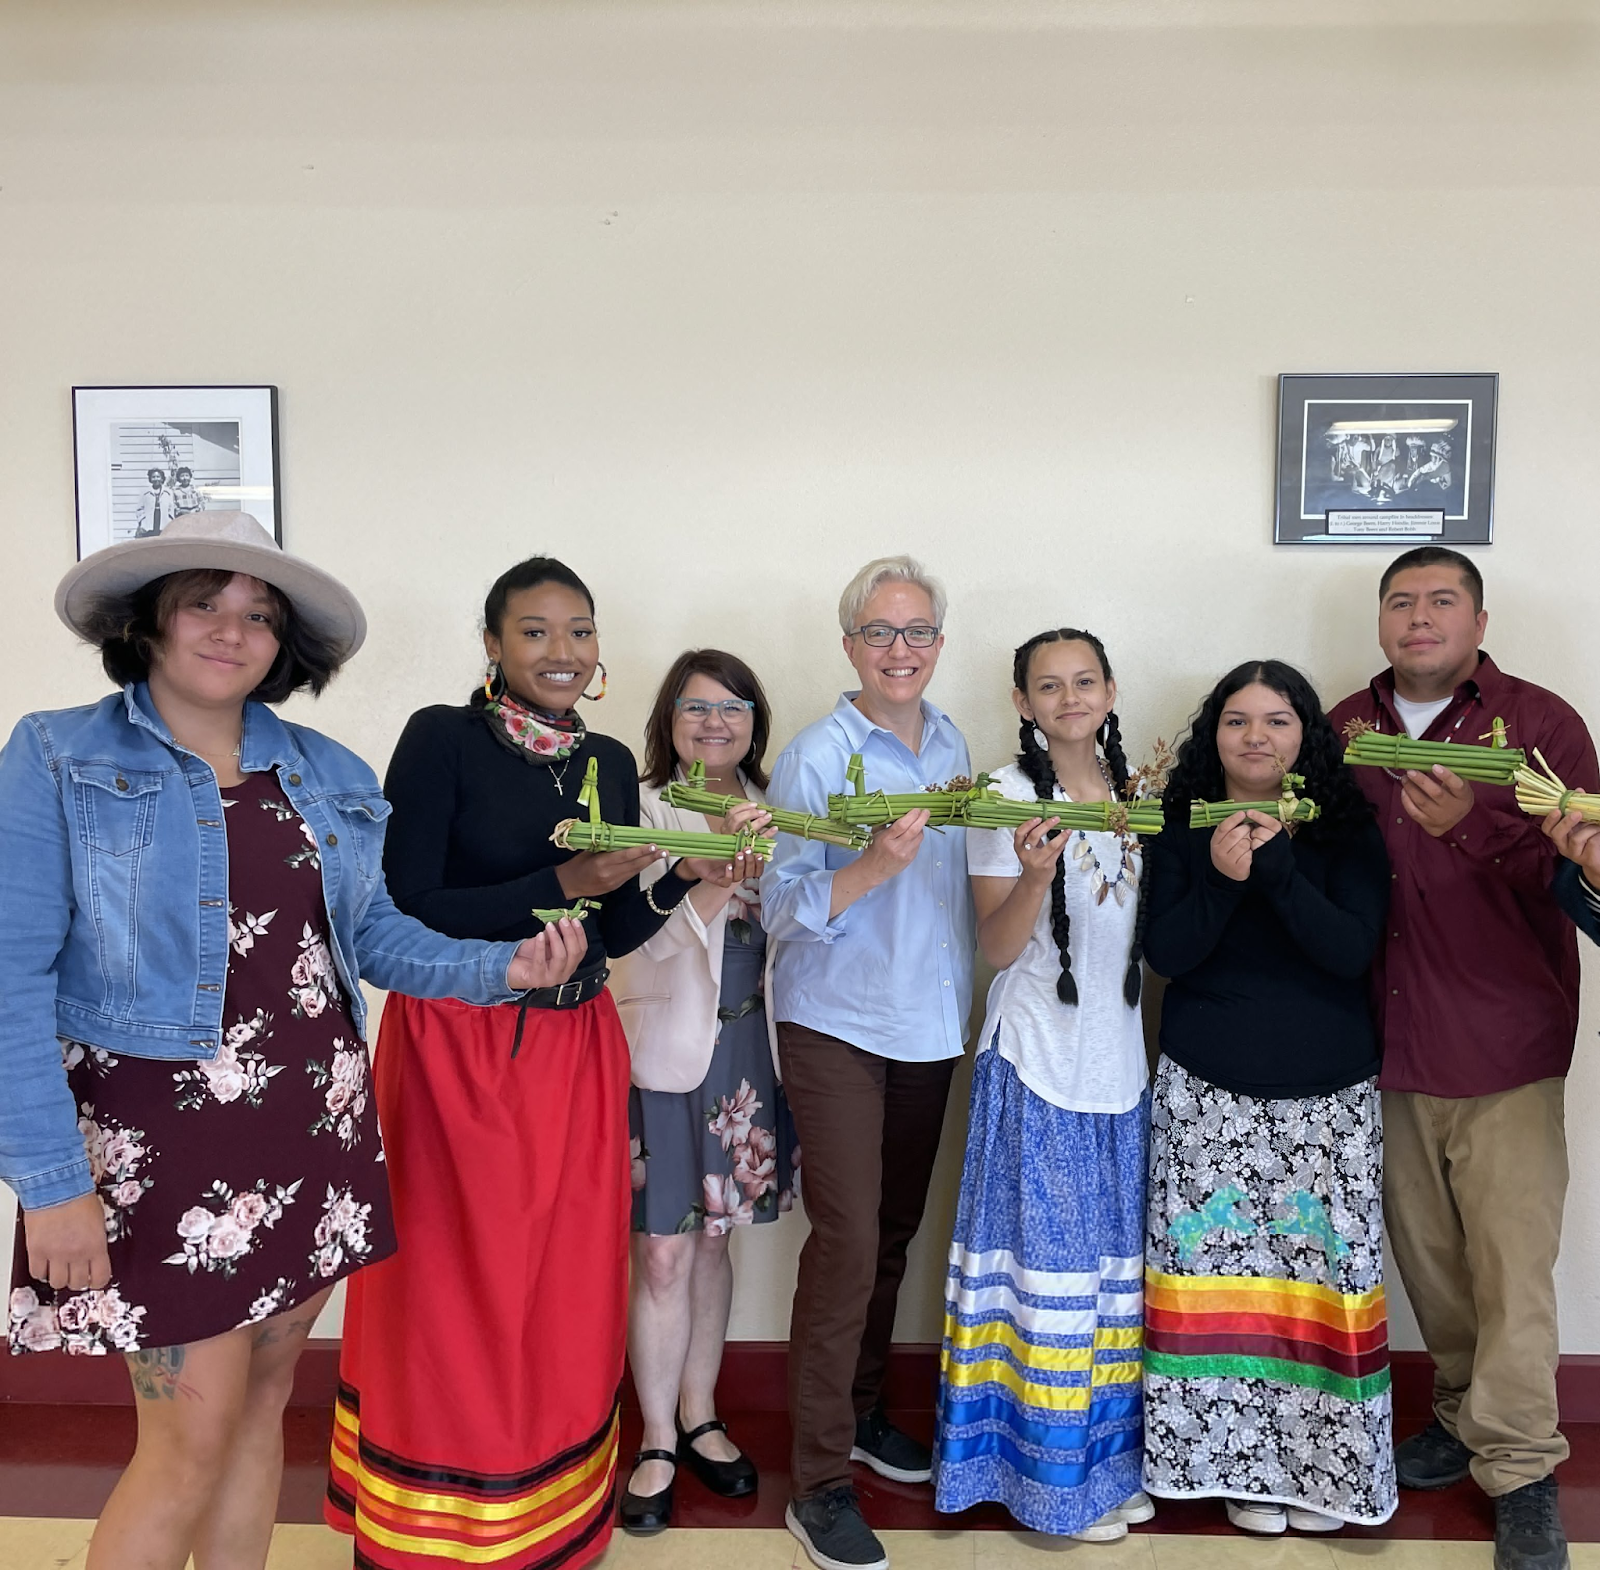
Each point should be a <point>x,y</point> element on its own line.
<point>1473,1191</point>
<point>869,1131</point>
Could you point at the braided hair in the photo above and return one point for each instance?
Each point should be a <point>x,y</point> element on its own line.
<point>1034,761</point>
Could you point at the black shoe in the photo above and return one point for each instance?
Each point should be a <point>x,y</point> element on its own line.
<point>732,1479</point>
<point>1527,1529</point>
<point>831,1531</point>
<point>646,1514</point>
<point>889,1452</point>
<point>1435,1458</point>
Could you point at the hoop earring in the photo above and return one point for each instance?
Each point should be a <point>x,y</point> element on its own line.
<point>490,677</point>
<point>595,697</point>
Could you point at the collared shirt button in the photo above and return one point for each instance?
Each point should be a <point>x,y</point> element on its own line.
<point>947,983</point>
<point>1399,820</point>
<point>1394,992</point>
<point>333,839</point>
<point>294,779</point>
<point>1394,934</point>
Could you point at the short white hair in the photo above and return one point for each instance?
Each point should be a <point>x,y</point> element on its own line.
<point>887,569</point>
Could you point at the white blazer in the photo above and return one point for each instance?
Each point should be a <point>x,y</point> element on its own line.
<point>667,991</point>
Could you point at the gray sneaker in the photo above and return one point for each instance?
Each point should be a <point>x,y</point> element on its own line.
<point>1527,1529</point>
<point>833,1533</point>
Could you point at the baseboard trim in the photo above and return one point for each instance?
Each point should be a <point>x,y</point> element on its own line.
<point>754,1379</point>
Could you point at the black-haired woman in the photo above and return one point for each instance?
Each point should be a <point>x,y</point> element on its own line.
<point>1266,1349</point>
<point>712,1138</point>
<point>190,895</point>
<point>1039,1405</point>
<point>477,1416</point>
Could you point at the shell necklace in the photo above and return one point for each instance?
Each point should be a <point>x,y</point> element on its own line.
<point>1120,880</point>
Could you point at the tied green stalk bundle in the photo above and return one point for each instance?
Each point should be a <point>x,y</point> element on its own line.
<point>572,912</point>
<point>1542,793</point>
<point>693,796</point>
<point>1496,764</point>
<point>592,834</point>
<point>1287,808</point>
<point>974,804</point>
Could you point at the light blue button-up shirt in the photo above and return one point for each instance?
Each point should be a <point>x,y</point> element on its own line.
<point>892,974</point>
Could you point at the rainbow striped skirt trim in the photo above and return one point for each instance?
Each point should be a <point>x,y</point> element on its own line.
<point>1266,1334</point>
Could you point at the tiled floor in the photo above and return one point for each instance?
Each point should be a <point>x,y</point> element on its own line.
<point>31,1544</point>
<point>58,1463</point>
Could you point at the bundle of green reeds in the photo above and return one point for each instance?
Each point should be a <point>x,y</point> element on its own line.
<point>1496,764</point>
<point>573,912</point>
<point>693,796</point>
<point>974,804</point>
<point>1542,793</point>
<point>592,834</point>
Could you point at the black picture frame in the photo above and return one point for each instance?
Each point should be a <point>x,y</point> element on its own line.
<point>1405,459</point>
<point>223,438</point>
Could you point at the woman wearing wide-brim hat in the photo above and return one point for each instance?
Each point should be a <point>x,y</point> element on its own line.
<point>191,890</point>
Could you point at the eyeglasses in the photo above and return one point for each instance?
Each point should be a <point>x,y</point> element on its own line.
<point>879,635</point>
<point>698,709</point>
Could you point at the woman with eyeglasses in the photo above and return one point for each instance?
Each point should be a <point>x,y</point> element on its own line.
<point>711,1138</point>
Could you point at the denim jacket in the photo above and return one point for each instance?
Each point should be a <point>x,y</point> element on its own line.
<point>114,907</point>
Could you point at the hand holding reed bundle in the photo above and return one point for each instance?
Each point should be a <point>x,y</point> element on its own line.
<point>693,796</point>
<point>592,834</point>
<point>1541,793</point>
<point>1496,764</point>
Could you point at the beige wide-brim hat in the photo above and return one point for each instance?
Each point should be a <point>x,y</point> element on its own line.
<point>229,542</point>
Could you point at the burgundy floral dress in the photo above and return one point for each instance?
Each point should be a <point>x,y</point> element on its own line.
<point>237,1188</point>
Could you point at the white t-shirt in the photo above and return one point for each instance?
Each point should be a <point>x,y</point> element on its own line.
<point>1085,1059</point>
<point>1417,717</point>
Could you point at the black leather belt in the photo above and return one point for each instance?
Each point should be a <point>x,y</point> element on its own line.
<point>569,995</point>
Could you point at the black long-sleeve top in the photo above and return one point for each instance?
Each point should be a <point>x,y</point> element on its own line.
<point>468,849</point>
<point>1268,995</point>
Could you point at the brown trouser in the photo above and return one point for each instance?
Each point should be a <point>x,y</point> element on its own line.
<point>1472,1197</point>
<point>869,1131</point>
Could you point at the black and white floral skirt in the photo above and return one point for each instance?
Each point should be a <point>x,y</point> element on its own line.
<point>1266,1335</point>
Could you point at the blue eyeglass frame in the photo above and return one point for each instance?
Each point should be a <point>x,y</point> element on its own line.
<point>728,708</point>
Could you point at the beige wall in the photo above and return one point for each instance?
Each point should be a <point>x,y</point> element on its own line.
<point>717,301</point>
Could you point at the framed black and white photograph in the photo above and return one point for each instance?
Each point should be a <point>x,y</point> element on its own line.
<point>147,455</point>
<point>1386,460</point>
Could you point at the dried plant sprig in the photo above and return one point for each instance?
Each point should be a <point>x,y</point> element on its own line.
<point>1539,793</point>
<point>1496,764</point>
<point>572,912</point>
<point>693,796</point>
<point>592,834</point>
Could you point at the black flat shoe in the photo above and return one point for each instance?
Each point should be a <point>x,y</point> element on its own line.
<point>732,1479</point>
<point>646,1514</point>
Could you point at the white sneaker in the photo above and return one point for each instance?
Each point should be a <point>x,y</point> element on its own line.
<point>1137,1510</point>
<point>1110,1528</point>
<point>1303,1520</point>
<point>1251,1516</point>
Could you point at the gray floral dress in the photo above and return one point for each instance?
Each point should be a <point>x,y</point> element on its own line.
<point>233,1188</point>
<point>724,1155</point>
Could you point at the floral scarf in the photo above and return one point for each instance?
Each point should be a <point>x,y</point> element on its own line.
<point>535,735</point>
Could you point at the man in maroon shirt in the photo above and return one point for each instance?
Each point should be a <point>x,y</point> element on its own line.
<point>1476,995</point>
